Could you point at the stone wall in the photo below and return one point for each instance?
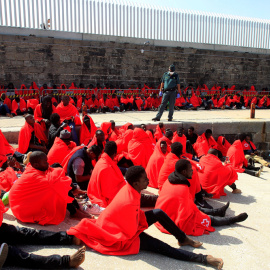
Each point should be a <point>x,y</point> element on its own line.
<point>24,59</point>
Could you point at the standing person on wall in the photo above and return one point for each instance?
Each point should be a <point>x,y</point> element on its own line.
<point>171,84</point>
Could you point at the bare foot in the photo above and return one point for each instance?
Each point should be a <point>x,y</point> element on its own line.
<point>77,258</point>
<point>216,262</point>
<point>237,191</point>
<point>9,115</point>
<point>190,242</point>
<point>76,241</point>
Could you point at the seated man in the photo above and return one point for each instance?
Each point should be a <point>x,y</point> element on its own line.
<point>167,138</point>
<point>155,163</point>
<point>44,111</point>
<point>98,140</point>
<point>18,106</point>
<point>88,130</point>
<point>140,148</point>
<point>79,164</point>
<point>61,148</point>
<point>32,137</point>
<point>160,131</point>
<point>191,136</point>
<point>112,234</point>
<point>4,103</point>
<point>238,161</point>
<point>41,194</point>
<point>10,255</point>
<point>92,104</point>
<point>55,128</point>
<point>204,143</point>
<point>106,179</point>
<point>176,201</point>
<point>216,176</point>
<point>70,115</point>
<point>251,151</point>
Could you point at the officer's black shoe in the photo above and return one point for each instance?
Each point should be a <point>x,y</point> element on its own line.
<point>155,119</point>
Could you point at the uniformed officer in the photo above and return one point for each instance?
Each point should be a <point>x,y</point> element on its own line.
<point>171,84</point>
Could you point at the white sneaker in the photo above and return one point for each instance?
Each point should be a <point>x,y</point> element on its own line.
<point>92,209</point>
<point>243,108</point>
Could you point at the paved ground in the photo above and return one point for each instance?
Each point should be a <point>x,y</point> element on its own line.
<point>145,117</point>
<point>243,246</point>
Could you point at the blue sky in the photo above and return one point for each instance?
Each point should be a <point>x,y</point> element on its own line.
<point>247,8</point>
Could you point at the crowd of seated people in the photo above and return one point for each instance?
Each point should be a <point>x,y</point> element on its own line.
<point>100,169</point>
<point>19,101</point>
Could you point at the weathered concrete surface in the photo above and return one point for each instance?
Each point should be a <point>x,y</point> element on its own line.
<point>91,59</point>
<point>242,246</point>
<point>228,122</point>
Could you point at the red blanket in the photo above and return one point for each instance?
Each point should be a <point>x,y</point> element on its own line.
<point>85,135</point>
<point>59,151</point>
<point>66,112</point>
<point>223,145</point>
<point>216,176</point>
<point>158,133</point>
<point>7,178</point>
<point>202,145</point>
<point>105,182</point>
<point>177,202</point>
<point>14,106</point>
<point>154,165</point>
<point>38,113</point>
<point>123,140</point>
<point>237,157</point>
<point>106,128</point>
<point>182,140</point>
<point>116,231</point>
<point>150,134</point>
<point>5,147</point>
<point>166,169</point>
<point>40,197</point>
<point>246,146</point>
<point>25,136</point>
<point>140,148</point>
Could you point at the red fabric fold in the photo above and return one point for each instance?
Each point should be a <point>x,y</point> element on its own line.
<point>85,135</point>
<point>7,178</point>
<point>66,112</point>
<point>202,145</point>
<point>59,151</point>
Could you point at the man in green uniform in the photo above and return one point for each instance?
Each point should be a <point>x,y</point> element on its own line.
<point>171,84</point>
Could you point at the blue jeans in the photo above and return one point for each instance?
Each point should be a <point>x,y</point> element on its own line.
<point>73,133</point>
<point>169,96</point>
<point>4,109</point>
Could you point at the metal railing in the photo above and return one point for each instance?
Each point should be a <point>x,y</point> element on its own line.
<point>117,18</point>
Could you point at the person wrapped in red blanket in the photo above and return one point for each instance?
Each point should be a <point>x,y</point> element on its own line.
<point>62,146</point>
<point>88,130</point>
<point>217,176</point>
<point>31,136</point>
<point>41,194</point>
<point>140,148</point>
<point>177,202</point>
<point>155,163</point>
<point>101,188</point>
<point>204,143</point>
<point>119,228</point>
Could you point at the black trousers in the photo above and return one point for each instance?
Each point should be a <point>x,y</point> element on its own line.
<point>25,236</point>
<point>152,244</point>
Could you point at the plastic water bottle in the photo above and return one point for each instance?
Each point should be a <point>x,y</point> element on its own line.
<point>5,198</point>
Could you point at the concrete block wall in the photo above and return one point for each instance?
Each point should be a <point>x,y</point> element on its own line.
<point>24,59</point>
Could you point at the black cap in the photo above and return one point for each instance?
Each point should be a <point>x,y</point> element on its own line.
<point>172,68</point>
